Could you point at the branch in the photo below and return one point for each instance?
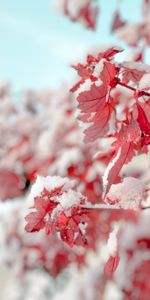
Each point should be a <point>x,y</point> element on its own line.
<point>98,207</point>
<point>141,93</point>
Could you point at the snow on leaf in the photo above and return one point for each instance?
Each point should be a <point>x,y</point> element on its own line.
<point>94,66</point>
<point>49,183</point>
<point>110,53</point>
<point>57,209</point>
<point>112,245</point>
<point>113,169</point>
<point>128,194</point>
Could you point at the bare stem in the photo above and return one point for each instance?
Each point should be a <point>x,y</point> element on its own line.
<point>98,207</point>
<point>141,93</point>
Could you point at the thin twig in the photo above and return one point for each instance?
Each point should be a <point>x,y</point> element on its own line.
<point>141,93</point>
<point>107,207</point>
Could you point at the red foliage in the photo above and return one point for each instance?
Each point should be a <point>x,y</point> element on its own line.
<point>85,11</point>
<point>11,185</point>
<point>55,213</point>
<point>75,214</point>
<point>111,265</point>
<point>117,22</point>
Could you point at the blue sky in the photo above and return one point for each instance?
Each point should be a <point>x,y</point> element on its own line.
<point>38,45</point>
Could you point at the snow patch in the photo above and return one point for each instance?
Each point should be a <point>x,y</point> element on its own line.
<point>112,241</point>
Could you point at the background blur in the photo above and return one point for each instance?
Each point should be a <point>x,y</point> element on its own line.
<point>38,44</point>
<point>40,135</point>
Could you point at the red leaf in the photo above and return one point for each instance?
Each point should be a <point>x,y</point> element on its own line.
<point>100,124</point>
<point>111,265</point>
<point>125,146</point>
<point>93,100</point>
<point>36,220</point>
<point>142,119</point>
<point>85,12</point>
<point>117,22</point>
<point>57,210</point>
<point>89,15</point>
<point>133,71</point>
<point>115,166</point>
<point>69,228</point>
<point>109,53</point>
<point>108,74</point>
<point>145,140</point>
<point>11,185</point>
<point>82,71</point>
<point>94,104</point>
